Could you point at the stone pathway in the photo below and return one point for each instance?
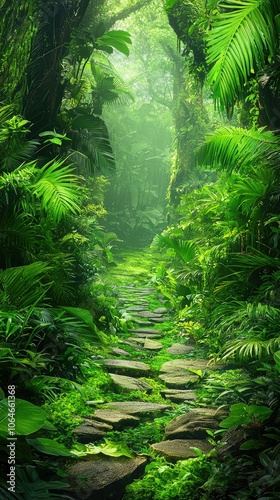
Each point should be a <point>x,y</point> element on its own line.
<point>107,477</point>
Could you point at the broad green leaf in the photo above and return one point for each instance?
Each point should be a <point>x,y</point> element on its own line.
<point>251,444</point>
<point>28,417</point>
<point>49,447</point>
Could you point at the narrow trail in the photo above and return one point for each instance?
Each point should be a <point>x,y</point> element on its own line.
<point>165,372</point>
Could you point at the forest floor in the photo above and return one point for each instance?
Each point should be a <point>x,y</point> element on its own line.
<point>155,404</point>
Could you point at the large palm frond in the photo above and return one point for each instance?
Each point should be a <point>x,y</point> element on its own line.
<point>58,189</point>
<point>243,35</point>
<point>186,250</point>
<point>90,135</point>
<point>18,238</point>
<point>235,147</point>
<point>22,287</point>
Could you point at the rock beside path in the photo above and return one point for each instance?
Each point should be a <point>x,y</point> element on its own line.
<point>180,449</point>
<point>126,365</point>
<point>104,478</point>
<point>137,407</point>
<point>130,383</point>
<point>193,425</point>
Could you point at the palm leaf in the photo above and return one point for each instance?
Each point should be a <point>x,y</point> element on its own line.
<point>186,250</point>
<point>58,189</point>
<point>245,349</point>
<point>22,285</point>
<point>22,153</point>
<point>18,238</point>
<point>91,137</point>
<point>234,147</point>
<point>241,38</point>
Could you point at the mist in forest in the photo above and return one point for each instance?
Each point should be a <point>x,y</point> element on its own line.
<point>140,129</point>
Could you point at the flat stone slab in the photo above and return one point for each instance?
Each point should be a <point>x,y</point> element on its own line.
<point>116,418</point>
<point>148,314</point>
<point>148,331</point>
<point>119,352</point>
<point>130,383</point>
<point>193,425</point>
<point>103,478</point>
<point>135,308</point>
<point>148,336</point>
<point>143,323</point>
<point>179,349</point>
<point>178,396</point>
<point>148,344</point>
<point>160,320</point>
<point>91,430</point>
<point>176,365</point>
<point>180,449</point>
<point>135,346</point>
<point>137,407</point>
<point>126,365</point>
<point>179,380</point>
<point>160,310</point>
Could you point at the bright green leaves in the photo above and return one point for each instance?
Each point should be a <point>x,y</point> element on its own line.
<point>117,39</point>
<point>57,188</point>
<point>108,448</point>
<point>186,250</point>
<point>234,147</point>
<point>242,414</point>
<point>22,285</point>
<point>238,43</point>
<point>28,417</point>
<point>49,447</point>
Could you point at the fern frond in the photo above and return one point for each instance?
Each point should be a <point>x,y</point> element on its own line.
<point>241,38</point>
<point>235,147</point>
<point>186,250</point>
<point>22,285</point>
<point>246,349</point>
<point>58,189</point>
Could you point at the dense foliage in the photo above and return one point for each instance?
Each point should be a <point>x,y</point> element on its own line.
<point>64,109</point>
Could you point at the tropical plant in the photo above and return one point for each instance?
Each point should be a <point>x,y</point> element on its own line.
<point>236,55</point>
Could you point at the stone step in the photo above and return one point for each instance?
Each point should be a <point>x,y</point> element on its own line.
<point>179,380</point>
<point>135,346</point>
<point>118,419</point>
<point>104,478</point>
<point>147,343</point>
<point>137,407</point>
<point>179,396</point>
<point>119,352</point>
<point>143,323</point>
<point>130,383</point>
<point>194,424</point>
<point>160,320</point>
<point>179,349</point>
<point>160,310</point>
<point>180,449</point>
<point>148,314</point>
<point>146,336</point>
<point>176,365</point>
<point>145,330</point>
<point>126,365</point>
<point>91,430</point>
